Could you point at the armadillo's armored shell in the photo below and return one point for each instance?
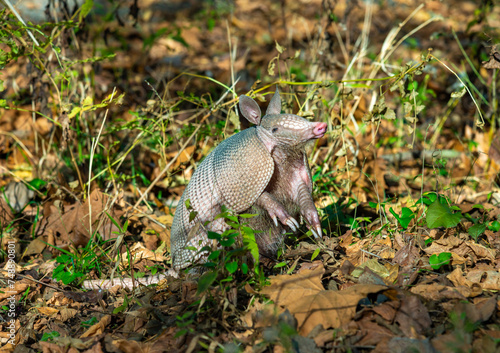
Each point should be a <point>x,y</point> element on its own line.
<point>204,197</point>
<point>243,167</point>
<point>234,174</point>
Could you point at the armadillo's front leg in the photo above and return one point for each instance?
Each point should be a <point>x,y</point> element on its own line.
<point>276,211</point>
<point>304,199</point>
<point>308,210</point>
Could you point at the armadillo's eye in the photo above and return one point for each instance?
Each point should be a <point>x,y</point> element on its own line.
<point>274,130</point>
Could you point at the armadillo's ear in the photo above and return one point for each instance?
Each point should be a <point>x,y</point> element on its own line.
<point>275,104</point>
<point>250,109</point>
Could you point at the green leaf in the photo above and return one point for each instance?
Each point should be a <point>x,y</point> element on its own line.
<point>214,255</point>
<point>231,267</point>
<point>206,281</point>
<point>49,336</point>
<point>37,184</point>
<point>281,264</point>
<point>228,240</point>
<point>315,253</point>
<point>494,226</point>
<point>86,7</point>
<point>476,230</point>
<point>90,322</point>
<point>247,215</point>
<point>406,216</point>
<point>250,243</point>
<point>440,215</point>
<point>244,268</point>
<point>210,24</point>
<point>213,235</point>
<point>178,38</point>
<point>436,261</point>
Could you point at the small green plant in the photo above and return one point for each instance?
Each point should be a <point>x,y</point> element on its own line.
<point>65,271</point>
<point>338,213</point>
<point>494,226</point>
<point>225,261</point>
<point>73,267</point>
<point>440,214</point>
<point>405,218</point>
<point>477,230</point>
<point>49,336</point>
<point>124,306</point>
<point>90,322</point>
<point>462,330</point>
<point>436,261</point>
<point>183,322</point>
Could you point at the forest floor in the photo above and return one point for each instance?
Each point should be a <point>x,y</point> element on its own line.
<point>106,111</point>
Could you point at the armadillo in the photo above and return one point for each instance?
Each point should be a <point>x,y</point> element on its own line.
<point>261,170</point>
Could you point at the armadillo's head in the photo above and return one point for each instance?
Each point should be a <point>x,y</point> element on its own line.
<point>292,130</point>
<point>280,129</point>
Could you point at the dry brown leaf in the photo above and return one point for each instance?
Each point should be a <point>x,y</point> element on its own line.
<point>74,225</point>
<point>440,292</point>
<point>478,312</point>
<point>6,215</point>
<point>443,343</point>
<point>16,288</point>
<point>36,246</point>
<point>373,333</point>
<point>458,279</point>
<point>285,289</point>
<point>460,247</point>
<point>68,313</point>
<point>59,299</point>
<point>374,266</point>
<point>494,60</point>
<point>98,328</point>
<point>48,311</point>
<point>488,280</point>
<point>324,337</point>
<point>138,253</point>
<point>479,250</point>
<point>304,295</point>
<point>387,310</point>
<point>413,317</point>
<point>408,255</point>
<point>331,309</point>
<point>162,233</point>
<point>353,247</point>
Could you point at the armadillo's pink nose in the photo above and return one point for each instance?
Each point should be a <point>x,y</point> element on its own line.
<point>319,130</point>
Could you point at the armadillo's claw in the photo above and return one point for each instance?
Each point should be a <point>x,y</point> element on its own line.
<point>275,219</point>
<point>292,223</point>
<point>316,232</point>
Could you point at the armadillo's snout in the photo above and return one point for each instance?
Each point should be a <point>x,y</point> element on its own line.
<point>319,130</point>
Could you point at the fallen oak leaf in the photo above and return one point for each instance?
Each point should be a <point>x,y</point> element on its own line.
<point>305,297</point>
<point>331,309</point>
<point>285,289</point>
<point>98,328</point>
